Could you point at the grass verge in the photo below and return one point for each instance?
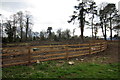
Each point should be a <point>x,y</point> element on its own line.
<point>61,69</point>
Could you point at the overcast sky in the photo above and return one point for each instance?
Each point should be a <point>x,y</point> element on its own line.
<point>47,13</point>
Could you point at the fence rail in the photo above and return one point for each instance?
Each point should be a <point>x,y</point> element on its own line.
<point>27,55</point>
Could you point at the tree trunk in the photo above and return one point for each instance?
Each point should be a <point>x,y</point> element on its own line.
<point>14,33</point>
<point>92,25</point>
<point>21,29</point>
<point>95,36</point>
<point>105,28</point>
<point>105,32</point>
<point>82,24</point>
<point>27,26</point>
<point>82,38</point>
<point>14,30</point>
<point>102,30</point>
<point>21,32</point>
<point>110,28</point>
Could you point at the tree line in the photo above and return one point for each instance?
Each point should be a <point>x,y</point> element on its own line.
<point>19,26</point>
<point>51,35</point>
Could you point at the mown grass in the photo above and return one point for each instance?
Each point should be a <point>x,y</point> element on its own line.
<point>55,69</point>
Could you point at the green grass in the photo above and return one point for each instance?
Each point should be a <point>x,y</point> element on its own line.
<point>54,69</point>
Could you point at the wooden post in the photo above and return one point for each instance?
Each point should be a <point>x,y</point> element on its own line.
<point>29,56</point>
<point>89,48</point>
<point>100,46</point>
<point>106,45</point>
<point>103,45</point>
<point>67,56</point>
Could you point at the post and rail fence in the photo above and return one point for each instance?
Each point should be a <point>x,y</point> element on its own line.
<point>31,54</point>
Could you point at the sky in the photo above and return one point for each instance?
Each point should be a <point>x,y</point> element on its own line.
<point>119,14</point>
<point>48,13</point>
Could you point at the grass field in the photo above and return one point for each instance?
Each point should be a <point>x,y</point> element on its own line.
<point>61,69</point>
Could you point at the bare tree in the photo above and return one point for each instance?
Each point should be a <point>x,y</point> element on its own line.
<point>59,32</point>
<point>20,19</point>
<point>66,34</point>
<point>42,35</point>
<point>14,21</point>
<point>28,23</point>
<point>49,32</point>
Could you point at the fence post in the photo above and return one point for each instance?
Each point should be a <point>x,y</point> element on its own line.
<point>89,48</point>
<point>67,57</point>
<point>100,46</point>
<point>29,56</point>
<point>103,45</point>
<point>106,45</point>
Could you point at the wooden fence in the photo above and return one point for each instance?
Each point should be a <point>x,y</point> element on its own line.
<point>27,55</point>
